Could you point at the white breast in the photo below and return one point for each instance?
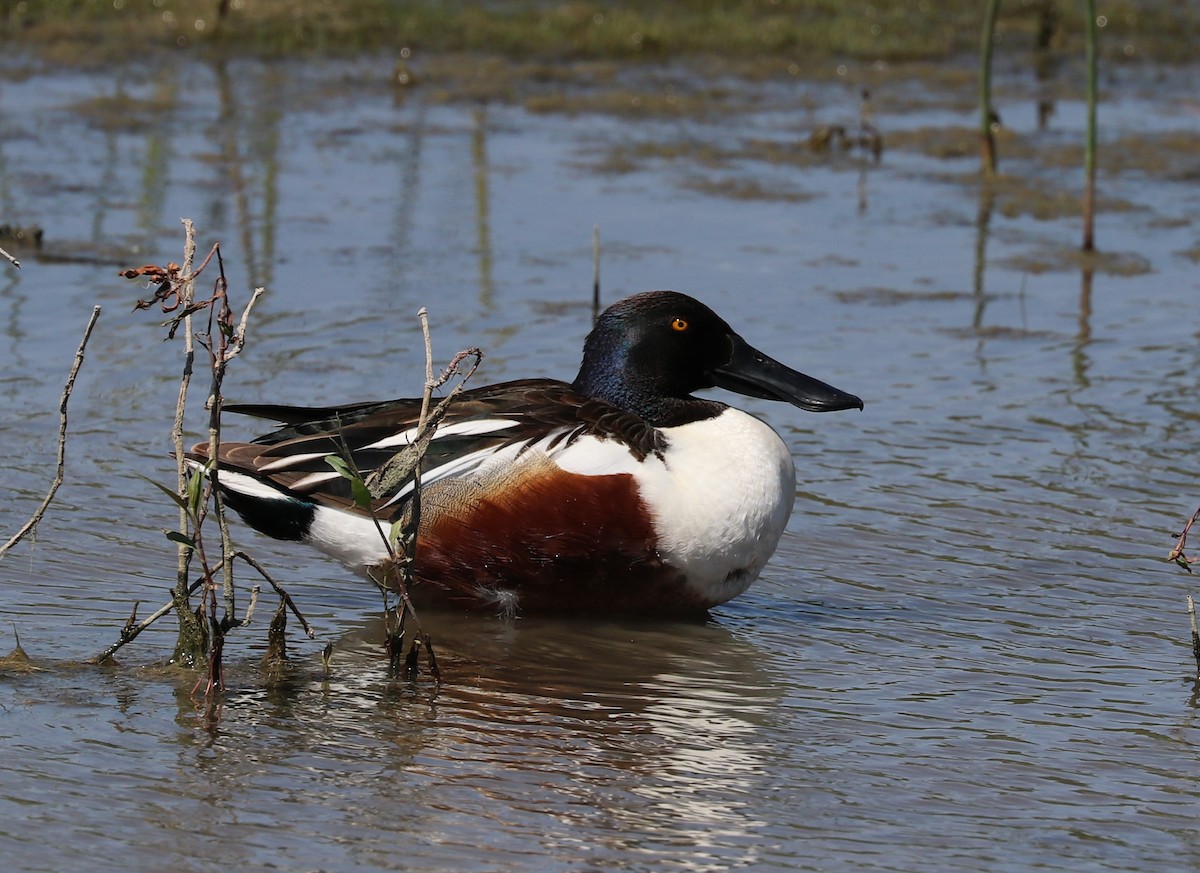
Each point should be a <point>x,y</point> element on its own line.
<point>720,500</point>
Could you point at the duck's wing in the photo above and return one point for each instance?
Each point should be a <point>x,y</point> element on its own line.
<point>494,424</point>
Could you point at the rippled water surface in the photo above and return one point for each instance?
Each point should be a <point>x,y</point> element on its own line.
<point>968,652</point>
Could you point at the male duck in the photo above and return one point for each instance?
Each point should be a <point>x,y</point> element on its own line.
<point>619,492</point>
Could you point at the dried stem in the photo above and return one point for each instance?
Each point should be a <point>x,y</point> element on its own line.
<point>283,595</point>
<point>1089,154</point>
<point>189,644</point>
<point>422,424</point>
<point>218,357</point>
<point>1177,554</point>
<point>10,258</point>
<point>223,346</point>
<point>395,640</point>
<point>400,541</point>
<point>201,632</point>
<point>132,631</point>
<point>595,272</point>
<point>987,117</point>
<point>1195,634</point>
<point>62,437</point>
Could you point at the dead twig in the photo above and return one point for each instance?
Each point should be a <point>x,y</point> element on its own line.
<point>222,345</point>
<point>987,115</point>
<point>131,631</point>
<point>203,629</point>
<point>398,572</point>
<point>1195,635</point>
<point>62,437</point>
<point>1089,154</point>
<point>283,595</point>
<point>10,258</point>
<point>595,273</point>
<point>1178,554</point>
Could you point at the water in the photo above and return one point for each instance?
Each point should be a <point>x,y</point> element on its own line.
<point>967,653</point>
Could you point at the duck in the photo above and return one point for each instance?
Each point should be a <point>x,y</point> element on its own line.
<point>620,492</point>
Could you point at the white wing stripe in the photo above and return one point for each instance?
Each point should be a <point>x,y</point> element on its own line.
<point>249,486</point>
<point>290,461</point>
<point>462,428</point>
<point>314,479</point>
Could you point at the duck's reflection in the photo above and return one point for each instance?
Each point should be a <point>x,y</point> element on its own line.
<point>627,727</point>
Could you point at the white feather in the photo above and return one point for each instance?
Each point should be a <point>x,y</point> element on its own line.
<point>313,479</point>
<point>463,428</point>
<point>354,540</point>
<point>248,485</point>
<point>291,461</point>
<point>720,501</point>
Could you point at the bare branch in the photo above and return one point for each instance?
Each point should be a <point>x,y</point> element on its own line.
<point>239,338</point>
<point>62,437</point>
<point>131,631</point>
<point>287,598</point>
<point>1177,554</point>
<point>10,258</point>
<point>1191,605</point>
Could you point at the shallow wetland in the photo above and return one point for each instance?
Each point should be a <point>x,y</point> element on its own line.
<point>969,651</point>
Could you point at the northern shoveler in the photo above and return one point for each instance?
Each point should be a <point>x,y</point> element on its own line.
<point>619,492</point>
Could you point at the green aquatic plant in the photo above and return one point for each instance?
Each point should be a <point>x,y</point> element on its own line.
<point>1089,158</point>
<point>987,119</point>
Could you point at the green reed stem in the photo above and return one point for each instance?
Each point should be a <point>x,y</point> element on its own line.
<point>987,139</point>
<point>1089,154</point>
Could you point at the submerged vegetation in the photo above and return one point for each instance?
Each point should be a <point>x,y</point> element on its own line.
<point>204,597</point>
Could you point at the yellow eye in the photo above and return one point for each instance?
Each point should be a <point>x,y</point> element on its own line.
<point>679,324</point>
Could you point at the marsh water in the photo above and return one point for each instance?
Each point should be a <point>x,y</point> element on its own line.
<point>968,652</point>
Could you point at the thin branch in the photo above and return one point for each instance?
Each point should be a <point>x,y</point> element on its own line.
<point>287,598</point>
<point>987,115</point>
<point>1177,554</point>
<point>230,348</point>
<point>1089,154</point>
<point>429,383</point>
<point>62,437</point>
<point>1195,634</point>
<point>254,592</point>
<point>595,273</point>
<point>184,555</point>
<point>10,258</point>
<point>131,631</point>
<point>239,338</point>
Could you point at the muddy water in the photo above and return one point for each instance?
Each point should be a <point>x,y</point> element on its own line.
<point>967,652</point>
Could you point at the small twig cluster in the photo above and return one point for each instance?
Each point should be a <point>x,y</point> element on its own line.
<point>1179,555</point>
<point>395,575</point>
<point>203,629</point>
